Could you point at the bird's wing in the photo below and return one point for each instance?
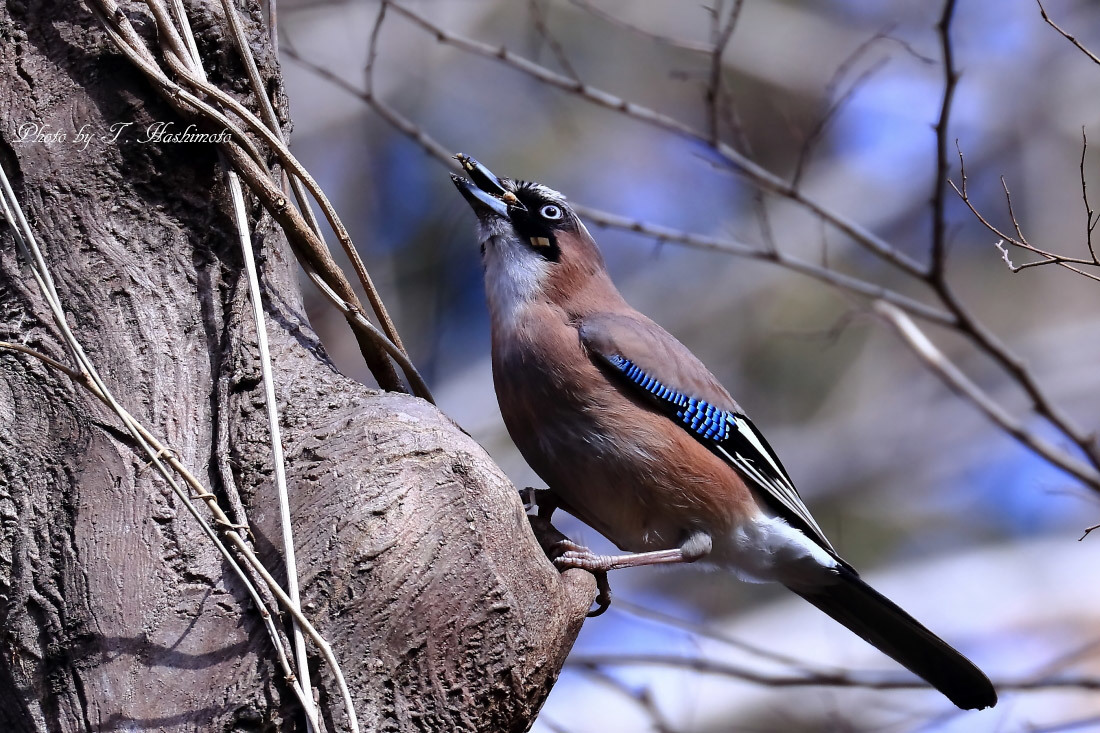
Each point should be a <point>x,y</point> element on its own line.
<point>649,360</point>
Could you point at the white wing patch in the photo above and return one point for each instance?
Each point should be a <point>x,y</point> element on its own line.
<point>745,429</point>
<point>775,485</point>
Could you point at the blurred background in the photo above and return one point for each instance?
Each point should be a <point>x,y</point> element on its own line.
<point>938,508</point>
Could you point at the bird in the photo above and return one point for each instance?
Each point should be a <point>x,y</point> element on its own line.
<point>635,437</point>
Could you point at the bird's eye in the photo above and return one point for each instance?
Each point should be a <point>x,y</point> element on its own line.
<point>550,211</point>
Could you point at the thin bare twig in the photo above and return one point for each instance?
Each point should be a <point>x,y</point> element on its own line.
<point>643,698</point>
<point>1018,239</point>
<point>372,52</point>
<point>843,679</point>
<point>814,135</point>
<point>939,190</point>
<point>271,17</point>
<point>1081,653</point>
<point>1080,47</point>
<point>723,32</point>
<point>711,633</point>
<point>908,48</point>
<point>538,18</point>
<point>833,278</point>
<point>957,316</point>
<point>680,43</point>
<point>278,460</point>
<point>1090,219</point>
<point>1011,212</point>
<point>1086,723</point>
<point>962,385</point>
<point>837,102</point>
<point>751,170</point>
<point>553,725</point>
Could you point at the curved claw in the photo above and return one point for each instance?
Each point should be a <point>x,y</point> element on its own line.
<point>603,596</point>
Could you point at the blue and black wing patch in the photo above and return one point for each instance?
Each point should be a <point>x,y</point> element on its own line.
<point>733,437</point>
<point>698,416</point>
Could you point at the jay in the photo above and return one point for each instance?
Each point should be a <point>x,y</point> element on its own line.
<point>635,437</point>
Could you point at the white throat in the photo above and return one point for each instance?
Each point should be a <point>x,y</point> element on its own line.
<point>514,277</point>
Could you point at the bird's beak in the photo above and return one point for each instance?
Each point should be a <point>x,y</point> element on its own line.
<point>483,191</point>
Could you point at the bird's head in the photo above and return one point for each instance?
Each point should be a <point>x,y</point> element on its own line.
<point>534,247</point>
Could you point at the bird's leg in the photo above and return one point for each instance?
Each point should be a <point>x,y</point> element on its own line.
<point>544,500</point>
<point>547,501</point>
<point>697,545</point>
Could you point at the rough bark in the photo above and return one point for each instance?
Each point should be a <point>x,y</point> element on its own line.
<point>418,563</point>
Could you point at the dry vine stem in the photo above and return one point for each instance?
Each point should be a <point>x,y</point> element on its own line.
<point>178,51</point>
<point>308,246</point>
<point>277,458</point>
<point>161,457</point>
<point>182,43</point>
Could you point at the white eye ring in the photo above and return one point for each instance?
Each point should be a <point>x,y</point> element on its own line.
<point>551,211</point>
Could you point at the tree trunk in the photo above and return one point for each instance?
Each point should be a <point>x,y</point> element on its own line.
<point>417,562</point>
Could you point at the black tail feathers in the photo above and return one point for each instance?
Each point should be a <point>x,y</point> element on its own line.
<point>884,625</point>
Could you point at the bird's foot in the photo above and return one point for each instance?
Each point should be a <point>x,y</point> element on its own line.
<point>567,554</point>
<point>556,545</point>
